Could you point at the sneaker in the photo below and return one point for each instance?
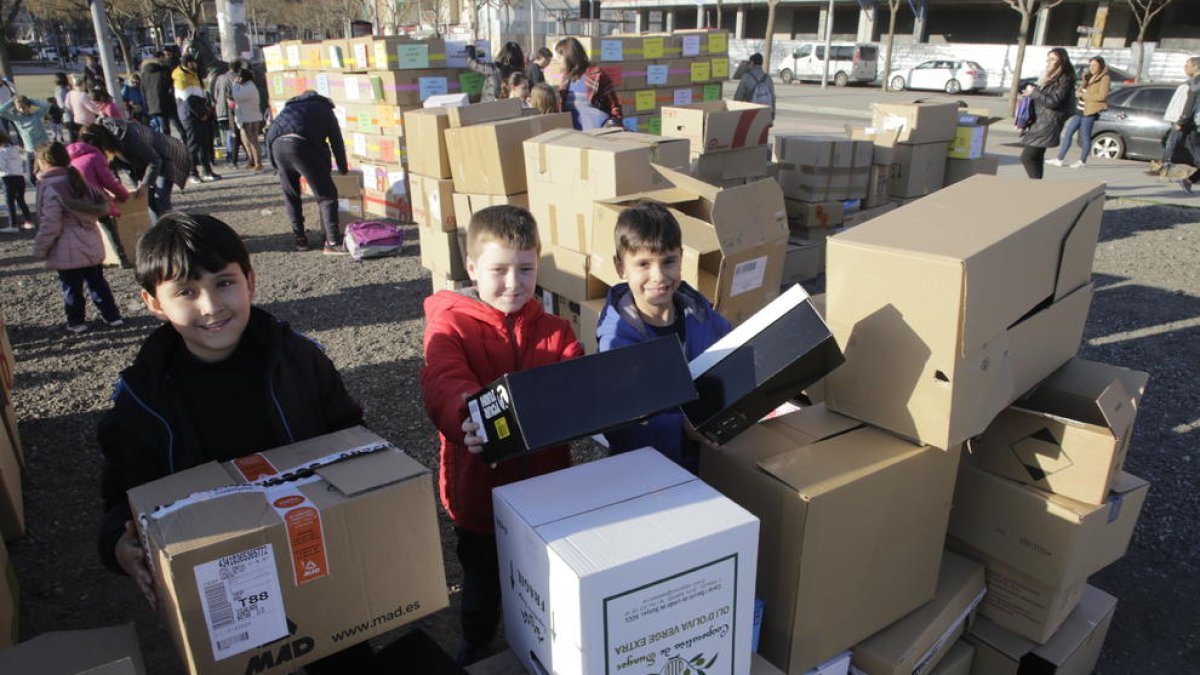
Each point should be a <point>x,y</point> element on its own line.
<point>1077,164</point>
<point>1186,185</point>
<point>335,249</point>
<point>28,226</point>
<point>1054,161</point>
<point>193,180</point>
<point>301,242</point>
<point>116,322</point>
<point>77,328</point>
<point>9,229</point>
<point>214,175</point>
<point>208,178</point>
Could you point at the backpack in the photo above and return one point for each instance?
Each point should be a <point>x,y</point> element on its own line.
<point>1025,115</point>
<point>762,91</point>
<point>373,239</point>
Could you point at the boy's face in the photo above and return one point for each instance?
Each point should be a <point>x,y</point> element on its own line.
<point>209,313</point>
<point>505,277</point>
<point>653,279</point>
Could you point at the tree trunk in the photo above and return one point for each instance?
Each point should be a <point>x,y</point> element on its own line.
<point>474,21</point>
<point>720,11</point>
<point>5,64</point>
<point>1141,62</point>
<point>891,38</point>
<point>1022,40</point>
<point>766,52</point>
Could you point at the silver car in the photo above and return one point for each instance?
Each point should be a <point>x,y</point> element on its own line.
<point>951,77</point>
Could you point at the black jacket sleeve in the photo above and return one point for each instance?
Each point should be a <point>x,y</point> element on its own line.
<point>128,463</point>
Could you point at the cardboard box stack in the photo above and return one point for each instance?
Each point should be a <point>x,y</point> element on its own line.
<point>728,139</point>
<point>653,71</point>
<point>12,456</point>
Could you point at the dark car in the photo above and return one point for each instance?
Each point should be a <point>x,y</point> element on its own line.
<point>1117,78</point>
<point>1133,126</point>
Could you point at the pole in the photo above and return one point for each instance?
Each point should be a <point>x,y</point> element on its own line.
<point>104,46</point>
<point>231,22</point>
<point>828,46</point>
<point>532,36</point>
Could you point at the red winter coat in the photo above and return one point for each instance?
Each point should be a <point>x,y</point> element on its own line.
<point>468,344</point>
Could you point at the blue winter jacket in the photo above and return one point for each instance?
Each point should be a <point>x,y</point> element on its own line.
<point>621,325</point>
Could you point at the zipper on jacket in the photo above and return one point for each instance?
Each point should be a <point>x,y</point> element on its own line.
<point>511,322</point>
<point>287,429</point>
<point>124,386</point>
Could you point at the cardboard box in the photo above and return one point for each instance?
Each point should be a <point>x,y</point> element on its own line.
<point>302,562</point>
<point>765,361</point>
<point>12,501</point>
<point>425,142</point>
<point>488,159</point>
<point>743,163</point>
<point>395,87</point>
<point>569,170</point>
<point>823,168</point>
<point>349,185</point>
<point>132,222</point>
<point>466,204</point>
<point>632,557</point>
<point>482,113</point>
<point>917,122</point>
<point>1068,436</point>
<point>962,169</point>
<point>383,177</point>
<point>565,272</point>
<point>878,186</point>
<point>970,136</point>
<point>804,260</point>
<point>433,202</point>
<point>376,147</point>
<point>940,330</point>
<point>958,660</point>
<point>838,665</point>
<point>532,409</point>
<point>444,281</point>
<point>9,600</point>
<point>814,215</point>
<point>100,651</point>
<point>916,170</point>
<point>855,218</point>
<point>444,251</point>
<point>715,126</point>
<point>833,497</point>
<point>1074,649</point>
<point>403,53</point>
<point>584,317</point>
<point>916,644</point>
<point>388,204</point>
<point>734,239</point>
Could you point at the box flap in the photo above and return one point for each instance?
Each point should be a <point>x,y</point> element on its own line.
<point>480,113</point>
<point>297,455</point>
<point>831,463</point>
<point>566,493</point>
<point>811,424</point>
<point>1093,609</point>
<point>367,472</point>
<point>1090,392</point>
<point>112,651</point>
<point>144,498</point>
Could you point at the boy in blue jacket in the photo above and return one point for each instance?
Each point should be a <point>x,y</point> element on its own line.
<point>653,302</point>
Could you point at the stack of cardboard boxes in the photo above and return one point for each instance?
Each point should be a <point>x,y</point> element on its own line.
<point>653,71</point>
<point>12,506</point>
<point>728,138</point>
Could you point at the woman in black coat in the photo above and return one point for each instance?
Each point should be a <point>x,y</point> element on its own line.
<point>1053,103</point>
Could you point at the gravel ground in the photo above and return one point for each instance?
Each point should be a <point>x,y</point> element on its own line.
<point>1146,315</point>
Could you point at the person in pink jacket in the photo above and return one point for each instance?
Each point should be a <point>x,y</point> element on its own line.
<point>90,158</point>
<point>83,111</point>
<point>68,237</point>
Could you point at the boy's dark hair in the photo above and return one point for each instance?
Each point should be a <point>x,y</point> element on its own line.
<point>510,226</point>
<point>646,225</point>
<point>99,136</point>
<point>756,59</point>
<point>544,53</point>
<point>183,246</point>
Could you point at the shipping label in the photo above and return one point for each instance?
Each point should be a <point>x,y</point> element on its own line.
<point>293,56</point>
<point>306,535</point>
<point>748,276</point>
<point>323,84</point>
<point>685,622</point>
<point>242,603</point>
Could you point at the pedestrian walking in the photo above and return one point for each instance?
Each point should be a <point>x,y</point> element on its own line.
<point>299,143</point>
<point>28,116</point>
<point>1053,102</point>
<point>158,89</point>
<point>756,86</point>
<point>221,92</point>
<point>510,59</point>
<point>1173,115</point>
<point>1091,99</point>
<point>13,169</point>
<point>197,118</point>
<point>1189,121</point>
<point>586,91</point>
<point>248,117</point>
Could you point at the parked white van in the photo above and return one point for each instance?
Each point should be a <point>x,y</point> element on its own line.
<point>850,62</point>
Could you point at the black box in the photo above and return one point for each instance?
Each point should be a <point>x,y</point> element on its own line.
<point>783,348</point>
<point>550,405</point>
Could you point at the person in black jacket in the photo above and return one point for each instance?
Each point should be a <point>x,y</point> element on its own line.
<point>221,379</point>
<point>536,65</point>
<point>1053,103</point>
<point>160,94</point>
<point>509,59</point>
<point>298,144</point>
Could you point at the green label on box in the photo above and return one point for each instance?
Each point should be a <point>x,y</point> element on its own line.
<point>644,100</point>
<point>700,71</point>
<point>712,92</point>
<point>652,48</point>
<point>717,43</point>
<point>413,56</point>
<point>656,126</point>
<point>720,69</point>
<point>471,83</point>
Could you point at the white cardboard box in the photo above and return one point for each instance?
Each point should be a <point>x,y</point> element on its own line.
<point>633,557</point>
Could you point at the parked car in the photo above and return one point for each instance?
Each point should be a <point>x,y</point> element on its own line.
<point>48,53</point>
<point>849,63</point>
<point>1133,126</point>
<point>951,77</point>
<point>1118,78</point>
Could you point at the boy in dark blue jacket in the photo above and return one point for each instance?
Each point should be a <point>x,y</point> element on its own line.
<point>653,302</point>
<point>220,379</point>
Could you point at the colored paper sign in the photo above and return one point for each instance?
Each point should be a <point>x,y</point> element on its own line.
<point>413,56</point>
<point>630,123</point>
<point>700,71</point>
<point>718,43</point>
<point>323,84</point>
<point>360,55</point>
<point>720,68</point>
<point>657,74</point>
<point>652,48</point>
<point>471,83</point>
<point>335,57</point>
<point>612,50</point>
<point>645,100</point>
<point>432,86</point>
<point>656,126</point>
<point>683,96</point>
<point>691,45</point>
<point>712,92</point>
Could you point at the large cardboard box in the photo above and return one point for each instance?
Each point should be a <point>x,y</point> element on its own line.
<point>12,501</point>
<point>822,168</point>
<point>734,239</point>
<point>482,113</point>
<point>1068,436</point>
<point>540,407</point>
<point>916,170</point>
<point>132,222</point>
<point>970,136</point>
<point>853,522</point>
<point>445,252</point>
<point>1073,650</point>
<point>958,660</point>
<point>855,218</point>
<point>262,568</point>
<point>395,87</point>
<point>100,651</point>
<point>779,351</point>
<point>569,170</point>
<point>628,562</point>
<point>962,169</point>
<point>944,325</point>
<point>803,216</point>
<point>916,644</point>
<point>917,122</point>
<point>566,273</point>
<point>733,165</point>
<point>488,159</point>
<point>878,187</point>
<point>804,260</point>
<point>426,143</point>
<point>388,204</point>
<point>433,202</point>
<point>466,204</point>
<point>9,600</point>
<point>715,126</point>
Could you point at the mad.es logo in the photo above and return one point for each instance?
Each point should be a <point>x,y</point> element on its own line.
<point>283,650</point>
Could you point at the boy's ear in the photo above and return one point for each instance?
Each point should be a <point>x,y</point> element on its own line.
<point>153,305</point>
<point>471,268</point>
<point>620,265</point>
<point>251,283</point>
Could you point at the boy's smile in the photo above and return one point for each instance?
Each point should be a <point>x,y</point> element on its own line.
<point>653,279</point>
<point>209,313</point>
<point>505,277</point>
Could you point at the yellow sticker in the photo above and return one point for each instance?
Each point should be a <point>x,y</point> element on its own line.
<point>717,43</point>
<point>720,69</point>
<point>652,48</point>
<point>700,71</point>
<point>644,100</point>
<point>502,428</point>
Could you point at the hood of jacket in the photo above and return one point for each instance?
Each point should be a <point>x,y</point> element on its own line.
<point>309,98</point>
<point>467,301</point>
<point>80,149</point>
<point>623,322</point>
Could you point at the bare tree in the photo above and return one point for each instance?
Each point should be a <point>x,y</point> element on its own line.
<point>720,11</point>
<point>1027,9</point>
<point>770,39</point>
<point>893,7</point>
<point>191,10</point>
<point>1144,12</point>
<point>8,14</point>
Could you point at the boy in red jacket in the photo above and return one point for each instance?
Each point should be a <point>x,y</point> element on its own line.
<point>471,338</point>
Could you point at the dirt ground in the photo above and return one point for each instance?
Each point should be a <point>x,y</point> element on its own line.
<point>1146,315</point>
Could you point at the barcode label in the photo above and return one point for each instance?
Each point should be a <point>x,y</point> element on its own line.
<point>477,418</point>
<point>748,276</point>
<point>241,599</point>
